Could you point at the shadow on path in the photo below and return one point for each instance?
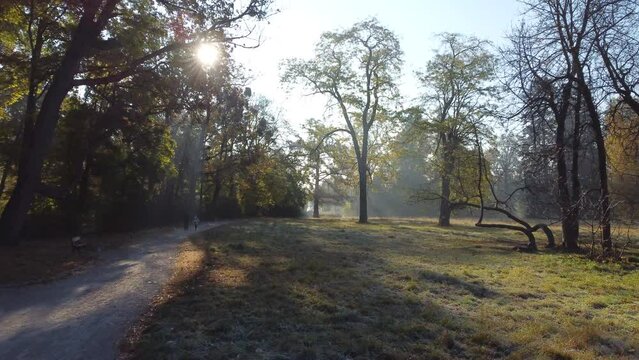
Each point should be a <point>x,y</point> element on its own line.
<point>85,315</point>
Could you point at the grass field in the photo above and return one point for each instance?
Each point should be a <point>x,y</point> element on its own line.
<point>331,289</point>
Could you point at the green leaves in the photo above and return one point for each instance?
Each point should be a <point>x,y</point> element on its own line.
<point>356,68</point>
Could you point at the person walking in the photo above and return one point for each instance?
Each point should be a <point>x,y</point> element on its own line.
<point>196,222</point>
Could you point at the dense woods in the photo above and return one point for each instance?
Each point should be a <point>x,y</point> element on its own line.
<point>121,115</point>
<point>110,122</point>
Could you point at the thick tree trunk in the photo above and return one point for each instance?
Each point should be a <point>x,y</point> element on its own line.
<point>316,212</point>
<point>444,203</point>
<point>565,206</point>
<point>363,200</point>
<point>571,229</point>
<point>34,151</point>
<point>362,163</point>
<point>595,122</point>
<point>604,198</point>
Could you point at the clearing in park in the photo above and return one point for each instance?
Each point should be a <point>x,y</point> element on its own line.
<point>395,289</point>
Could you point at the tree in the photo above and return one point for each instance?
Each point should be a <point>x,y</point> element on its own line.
<point>458,84</point>
<point>356,69</point>
<point>500,205</point>
<point>329,166</point>
<point>553,62</point>
<point>614,26</point>
<point>623,152</point>
<point>95,53</point>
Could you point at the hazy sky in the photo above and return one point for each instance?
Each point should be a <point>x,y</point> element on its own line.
<point>295,30</point>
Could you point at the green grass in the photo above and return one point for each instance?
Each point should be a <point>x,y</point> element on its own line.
<point>331,289</point>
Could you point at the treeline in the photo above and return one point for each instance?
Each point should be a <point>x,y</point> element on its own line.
<point>111,120</point>
<point>114,117</point>
<point>544,127</point>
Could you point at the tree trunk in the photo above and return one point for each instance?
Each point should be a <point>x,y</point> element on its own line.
<point>595,122</point>
<point>363,201</point>
<point>604,198</point>
<point>445,208</point>
<point>567,222</point>
<point>572,218</point>
<point>362,163</point>
<point>192,206</point>
<point>30,167</point>
<point>316,213</point>
<point>444,203</point>
<point>201,195</point>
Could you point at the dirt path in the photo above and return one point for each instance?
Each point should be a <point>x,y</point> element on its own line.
<point>85,316</point>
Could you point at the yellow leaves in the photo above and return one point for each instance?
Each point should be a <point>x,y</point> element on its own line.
<point>621,142</point>
<point>623,156</point>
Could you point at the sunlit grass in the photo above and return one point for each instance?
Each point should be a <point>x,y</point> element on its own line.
<point>395,289</point>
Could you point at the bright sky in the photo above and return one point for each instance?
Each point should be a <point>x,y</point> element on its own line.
<point>295,30</point>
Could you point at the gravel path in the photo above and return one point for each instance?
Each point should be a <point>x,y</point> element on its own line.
<point>86,315</point>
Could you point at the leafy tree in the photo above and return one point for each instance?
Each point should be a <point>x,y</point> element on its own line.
<point>458,86</point>
<point>329,165</point>
<point>623,152</point>
<point>356,69</point>
<point>109,42</point>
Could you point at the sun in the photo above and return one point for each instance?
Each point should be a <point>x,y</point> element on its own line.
<point>207,54</point>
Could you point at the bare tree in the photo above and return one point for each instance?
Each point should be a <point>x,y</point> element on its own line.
<point>552,60</point>
<point>615,33</point>
<point>501,206</point>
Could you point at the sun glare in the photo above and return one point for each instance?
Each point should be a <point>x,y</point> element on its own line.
<point>207,54</point>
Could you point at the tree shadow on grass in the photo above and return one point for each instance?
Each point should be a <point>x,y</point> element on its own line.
<point>285,291</point>
<point>478,290</point>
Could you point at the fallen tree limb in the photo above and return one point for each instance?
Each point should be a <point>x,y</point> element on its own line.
<point>523,227</point>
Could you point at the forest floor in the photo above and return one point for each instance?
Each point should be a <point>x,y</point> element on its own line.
<point>394,289</point>
<point>85,315</point>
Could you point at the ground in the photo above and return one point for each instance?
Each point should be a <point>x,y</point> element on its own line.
<point>332,289</point>
<point>35,261</point>
<point>84,316</point>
